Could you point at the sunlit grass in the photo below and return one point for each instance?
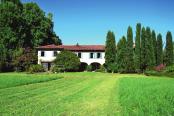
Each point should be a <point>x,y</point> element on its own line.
<point>17,79</point>
<point>146,96</point>
<point>85,94</point>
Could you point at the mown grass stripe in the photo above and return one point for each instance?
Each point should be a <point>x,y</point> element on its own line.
<point>42,95</point>
<point>41,88</point>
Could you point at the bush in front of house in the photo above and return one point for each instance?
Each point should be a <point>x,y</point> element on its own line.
<point>57,69</point>
<point>89,68</point>
<point>101,69</point>
<point>67,61</point>
<point>36,68</point>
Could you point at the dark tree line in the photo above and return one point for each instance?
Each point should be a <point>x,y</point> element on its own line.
<point>22,27</point>
<point>144,53</point>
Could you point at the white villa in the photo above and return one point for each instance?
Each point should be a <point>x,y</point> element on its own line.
<point>89,54</point>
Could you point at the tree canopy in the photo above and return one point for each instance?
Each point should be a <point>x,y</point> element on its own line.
<point>23,26</point>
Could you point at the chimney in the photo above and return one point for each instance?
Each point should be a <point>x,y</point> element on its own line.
<point>77,44</point>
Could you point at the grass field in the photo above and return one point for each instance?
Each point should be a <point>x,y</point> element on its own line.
<point>86,94</point>
<point>16,79</point>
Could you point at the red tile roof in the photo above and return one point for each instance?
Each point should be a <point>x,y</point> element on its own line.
<point>75,47</point>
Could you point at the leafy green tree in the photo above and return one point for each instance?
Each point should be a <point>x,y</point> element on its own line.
<point>50,37</point>
<point>169,49</point>
<point>121,55</point>
<point>159,50</point>
<point>110,51</point>
<point>24,26</point>
<point>40,29</point>
<point>10,24</point>
<point>137,57</point>
<point>129,59</point>
<point>154,41</point>
<point>67,60</point>
<point>17,2</point>
<point>9,33</point>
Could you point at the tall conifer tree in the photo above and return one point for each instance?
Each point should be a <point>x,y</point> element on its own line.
<point>143,49</point>
<point>138,47</point>
<point>129,60</point>
<point>169,49</point>
<point>121,55</point>
<point>150,58</point>
<point>110,51</point>
<point>159,50</point>
<point>154,46</point>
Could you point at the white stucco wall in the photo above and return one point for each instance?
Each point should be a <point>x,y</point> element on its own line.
<point>49,56</point>
<point>85,57</point>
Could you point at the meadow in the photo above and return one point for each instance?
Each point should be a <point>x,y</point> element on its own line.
<point>85,94</point>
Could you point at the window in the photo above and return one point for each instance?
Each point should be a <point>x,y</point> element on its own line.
<point>98,55</point>
<point>79,55</point>
<point>55,53</point>
<point>42,53</point>
<point>91,55</point>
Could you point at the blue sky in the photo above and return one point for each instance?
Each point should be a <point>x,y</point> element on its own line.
<point>87,21</point>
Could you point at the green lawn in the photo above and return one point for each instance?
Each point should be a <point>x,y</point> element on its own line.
<point>16,79</point>
<point>84,94</point>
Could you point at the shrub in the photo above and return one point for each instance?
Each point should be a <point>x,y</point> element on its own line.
<point>36,68</point>
<point>68,60</point>
<point>156,73</point>
<point>89,68</point>
<point>161,70</point>
<point>151,72</point>
<point>160,67</point>
<point>101,69</point>
<point>57,69</point>
<point>26,59</point>
<point>169,69</point>
<point>112,68</point>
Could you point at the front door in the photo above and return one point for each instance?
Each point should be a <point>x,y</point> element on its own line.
<point>49,65</point>
<point>46,65</point>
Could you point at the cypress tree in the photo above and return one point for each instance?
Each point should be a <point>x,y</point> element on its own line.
<point>169,49</point>
<point>143,49</point>
<point>159,50</point>
<point>154,41</point>
<point>137,57</point>
<point>150,57</point>
<point>129,60</point>
<point>121,55</point>
<point>110,51</point>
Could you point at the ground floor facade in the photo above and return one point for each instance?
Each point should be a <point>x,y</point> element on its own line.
<point>93,55</point>
<point>82,67</point>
